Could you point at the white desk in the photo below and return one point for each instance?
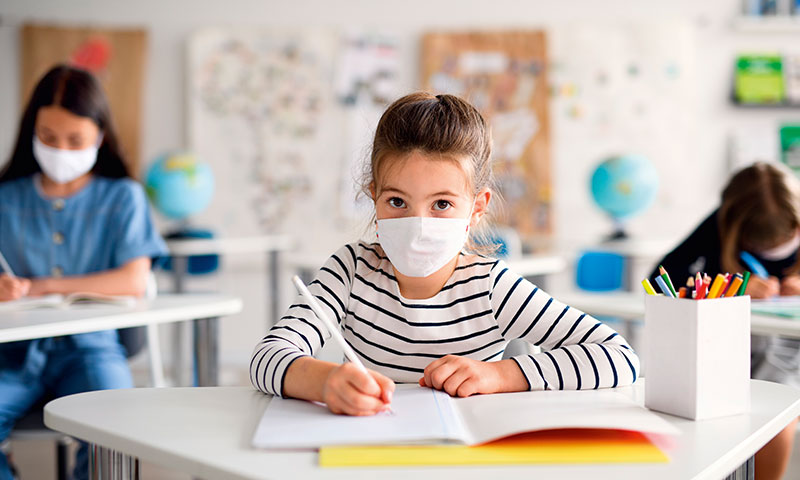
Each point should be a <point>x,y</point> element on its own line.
<point>630,306</point>
<point>273,245</point>
<point>181,249</point>
<point>533,265</point>
<point>203,308</point>
<point>206,433</point>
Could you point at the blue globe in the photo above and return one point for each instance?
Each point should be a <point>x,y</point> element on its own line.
<point>179,185</point>
<point>624,186</point>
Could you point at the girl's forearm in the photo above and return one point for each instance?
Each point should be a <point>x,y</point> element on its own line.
<point>129,279</point>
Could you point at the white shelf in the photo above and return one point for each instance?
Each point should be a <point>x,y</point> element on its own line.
<point>767,24</point>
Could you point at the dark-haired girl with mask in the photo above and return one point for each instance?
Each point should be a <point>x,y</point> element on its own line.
<point>759,214</point>
<point>71,220</point>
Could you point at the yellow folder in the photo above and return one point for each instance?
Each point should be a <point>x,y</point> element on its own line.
<point>566,446</point>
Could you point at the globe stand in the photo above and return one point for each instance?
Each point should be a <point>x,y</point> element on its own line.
<point>619,232</point>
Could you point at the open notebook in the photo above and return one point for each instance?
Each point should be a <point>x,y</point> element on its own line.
<point>424,416</point>
<point>64,301</point>
<point>780,306</point>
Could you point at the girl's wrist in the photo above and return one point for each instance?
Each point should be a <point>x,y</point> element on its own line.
<point>510,376</point>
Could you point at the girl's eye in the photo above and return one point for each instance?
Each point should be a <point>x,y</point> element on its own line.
<point>397,202</point>
<point>441,205</point>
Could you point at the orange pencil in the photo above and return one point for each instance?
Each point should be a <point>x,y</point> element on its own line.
<point>682,292</point>
<point>716,287</point>
<point>734,286</point>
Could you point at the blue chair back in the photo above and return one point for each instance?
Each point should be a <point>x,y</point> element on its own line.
<point>598,271</point>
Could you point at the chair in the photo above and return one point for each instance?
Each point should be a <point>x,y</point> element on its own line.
<point>32,427</point>
<point>599,271</point>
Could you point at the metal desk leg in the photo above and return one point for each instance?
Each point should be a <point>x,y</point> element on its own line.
<point>206,351</point>
<point>274,287</point>
<point>180,268</point>
<point>107,464</point>
<point>746,471</point>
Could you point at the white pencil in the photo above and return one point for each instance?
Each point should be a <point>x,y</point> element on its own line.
<point>335,333</point>
<point>6,266</point>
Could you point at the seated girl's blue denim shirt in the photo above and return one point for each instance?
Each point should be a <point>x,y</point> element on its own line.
<point>103,226</point>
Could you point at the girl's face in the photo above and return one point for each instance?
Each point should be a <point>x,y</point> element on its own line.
<point>59,128</point>
<point>420,185</point>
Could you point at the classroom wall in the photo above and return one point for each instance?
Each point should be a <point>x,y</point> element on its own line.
<point>690,185</point>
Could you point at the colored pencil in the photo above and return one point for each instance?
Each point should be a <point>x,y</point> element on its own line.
<point>719,280</point>
<point>733,288</point>
<point>648,287</point>
<point>699,288</point>
<point>662,284</point>
<point>746,279</point>
<point>665,275</point>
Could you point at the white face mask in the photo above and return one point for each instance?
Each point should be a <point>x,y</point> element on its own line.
<point>63,166</point>
<point>783,250</point>
<point>419,246</point>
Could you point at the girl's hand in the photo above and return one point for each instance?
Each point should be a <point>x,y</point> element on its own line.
<point>790,285</point>
<point>462,377</point>
<point>350,391</point>
<point>12,288</point>
<point>759,287</point>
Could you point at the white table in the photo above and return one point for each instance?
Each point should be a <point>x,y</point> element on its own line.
<point>630,306</point>
<point>203,308</point>
<point>206,433</point>
<point>531,265</point>
<point>182,248</point>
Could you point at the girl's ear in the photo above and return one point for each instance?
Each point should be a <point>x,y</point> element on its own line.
<point>372,191</point>
<point>481,207</point>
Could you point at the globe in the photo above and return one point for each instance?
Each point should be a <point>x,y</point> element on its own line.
<point>624,186</point>
<point>178,185</point>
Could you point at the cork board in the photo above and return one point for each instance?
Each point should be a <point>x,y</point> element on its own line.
<point>504,74</point>
<point>115,56</point>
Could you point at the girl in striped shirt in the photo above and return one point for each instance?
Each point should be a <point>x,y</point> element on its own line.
<point>417,305</point>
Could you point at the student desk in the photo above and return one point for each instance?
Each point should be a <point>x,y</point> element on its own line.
<point>182,248</point>
<point>203,308</point>
<point>630,306</point>
<point>206,433</point>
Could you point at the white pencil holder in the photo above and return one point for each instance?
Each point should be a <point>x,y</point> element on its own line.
<point>697,356</point>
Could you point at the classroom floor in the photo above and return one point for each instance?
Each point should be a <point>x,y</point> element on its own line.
<point>36,460</point>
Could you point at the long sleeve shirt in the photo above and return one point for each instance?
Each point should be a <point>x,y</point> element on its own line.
<point>482,306</point>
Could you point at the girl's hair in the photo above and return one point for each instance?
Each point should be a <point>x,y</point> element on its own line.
<point>760,208</point>
<point>441,125</point>
<point>78,92</point>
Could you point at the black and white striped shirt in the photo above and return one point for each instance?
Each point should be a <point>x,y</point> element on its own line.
<point>481,307</point>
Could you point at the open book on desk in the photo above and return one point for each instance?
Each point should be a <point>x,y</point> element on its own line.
<point>788,306</point>
<point>65,301</point>
<point>425,416</point>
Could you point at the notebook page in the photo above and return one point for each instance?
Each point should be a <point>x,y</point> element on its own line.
<point>489,417</point>
<point>28,303</point>
<point>419,415</point>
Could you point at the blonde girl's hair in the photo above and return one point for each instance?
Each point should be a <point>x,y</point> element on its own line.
<point>440,125</point>
<point>760,209</point>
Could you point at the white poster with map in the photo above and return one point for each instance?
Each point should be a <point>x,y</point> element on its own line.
<point>268,110</point>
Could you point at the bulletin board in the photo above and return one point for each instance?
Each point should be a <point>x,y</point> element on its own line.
<point>504,74</point>
<point>116,56</point>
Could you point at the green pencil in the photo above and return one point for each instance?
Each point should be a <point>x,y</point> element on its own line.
<point>666,278</point>
<point>744,283</point>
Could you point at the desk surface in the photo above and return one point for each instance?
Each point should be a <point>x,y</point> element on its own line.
<point>229,245</point>
<point>53,322</point>
<point>630,306</point>
<point>206,432</point>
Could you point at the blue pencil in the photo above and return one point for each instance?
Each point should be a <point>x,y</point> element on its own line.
<point>663,286</point>
<point>754,265</point>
